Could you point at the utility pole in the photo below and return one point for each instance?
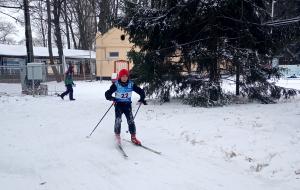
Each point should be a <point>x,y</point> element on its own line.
<point>272,13</point>
<point>236,60</point>
<point>272,17</point>
<point>94,41</point>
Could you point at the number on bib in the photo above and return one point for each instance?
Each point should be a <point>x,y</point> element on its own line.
<point>124,95</point>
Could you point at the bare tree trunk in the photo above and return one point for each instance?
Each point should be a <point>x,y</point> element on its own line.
<point>93,2</point>
<point>117,8</point>
<point>70,22</point>
<point>41,17</point>
<point>80,19</point>
<point>67,25</point>
<point>43,34</point>
<point>54,69</point>
<point>57,12</point>
<point>85,17</point>
<point>28,33</point>
<point>29,47</point>
<point>73,35</point>
<point>104,16</point>
<point>237,87</point>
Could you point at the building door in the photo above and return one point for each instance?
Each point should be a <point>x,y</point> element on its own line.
<point>121,64</point>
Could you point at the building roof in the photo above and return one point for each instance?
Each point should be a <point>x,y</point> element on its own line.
<point>112,39</point>
<point>20,51</point>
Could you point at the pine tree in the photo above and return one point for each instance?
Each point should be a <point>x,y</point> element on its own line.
<point>180,36</point>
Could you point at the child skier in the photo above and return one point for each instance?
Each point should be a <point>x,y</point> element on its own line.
<point>123,88</point>
<point>69,84</point>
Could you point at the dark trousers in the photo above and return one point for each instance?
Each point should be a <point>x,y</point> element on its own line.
<point>125,108</point>
<point>68,91</point>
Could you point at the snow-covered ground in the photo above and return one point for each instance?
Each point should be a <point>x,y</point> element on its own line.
<point>43,144</point>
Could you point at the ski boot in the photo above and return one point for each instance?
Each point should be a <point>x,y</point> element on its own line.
<point>118,139</point>
<point>135,140</point>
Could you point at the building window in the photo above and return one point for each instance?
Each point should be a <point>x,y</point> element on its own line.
<point>122,37</point>
<point>113,54</point>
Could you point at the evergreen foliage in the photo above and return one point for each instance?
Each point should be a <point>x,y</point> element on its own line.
<point>186,45</point>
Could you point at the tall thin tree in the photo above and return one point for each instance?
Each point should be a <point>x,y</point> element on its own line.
<point>54,69</point>
<point>57,9</point>
<point>28,32</point>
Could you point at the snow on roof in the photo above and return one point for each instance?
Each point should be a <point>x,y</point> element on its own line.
<point>18,51</point>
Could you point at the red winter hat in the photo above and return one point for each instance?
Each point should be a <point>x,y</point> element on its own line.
<point>123,72</point>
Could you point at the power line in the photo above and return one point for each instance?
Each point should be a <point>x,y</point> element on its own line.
<point>283,22</point>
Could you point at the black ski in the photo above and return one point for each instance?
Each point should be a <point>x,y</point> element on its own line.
<point>144,147</point>
<point>122,150</point>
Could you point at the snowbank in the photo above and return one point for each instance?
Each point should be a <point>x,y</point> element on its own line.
<point>44,146</point>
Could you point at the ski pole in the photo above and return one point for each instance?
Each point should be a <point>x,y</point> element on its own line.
<point>137,111</point>
<point>100,120</point>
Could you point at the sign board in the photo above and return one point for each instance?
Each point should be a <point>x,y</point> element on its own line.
<point>36,71</point>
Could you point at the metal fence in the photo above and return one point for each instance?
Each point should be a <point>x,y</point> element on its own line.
<point>18,74</point>
<point>12,73</point>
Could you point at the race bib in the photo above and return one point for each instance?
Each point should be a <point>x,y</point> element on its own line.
<point>125,95</point>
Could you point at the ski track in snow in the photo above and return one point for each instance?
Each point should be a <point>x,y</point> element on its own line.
<point>43,144</point>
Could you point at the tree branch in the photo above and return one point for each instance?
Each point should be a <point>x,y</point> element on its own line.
<point>11,7</point>
<point>16,19</point>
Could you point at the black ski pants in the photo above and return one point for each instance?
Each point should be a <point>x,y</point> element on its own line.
<point>125,108</point>
<point>68,91</point>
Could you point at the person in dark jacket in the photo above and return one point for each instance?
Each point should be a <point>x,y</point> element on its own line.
<point>123,88</point>
<point>69,84</point>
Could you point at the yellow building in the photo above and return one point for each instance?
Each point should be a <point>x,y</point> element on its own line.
<point>111,53</point>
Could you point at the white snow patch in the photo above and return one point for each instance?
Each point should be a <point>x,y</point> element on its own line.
<point>44,146</point>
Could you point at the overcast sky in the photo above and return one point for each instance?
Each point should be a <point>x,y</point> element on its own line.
<point>20,35</point>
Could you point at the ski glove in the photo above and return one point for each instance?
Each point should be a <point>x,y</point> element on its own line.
<point>112,99</point>
<point>74,84</point>
<point>143,101</point>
